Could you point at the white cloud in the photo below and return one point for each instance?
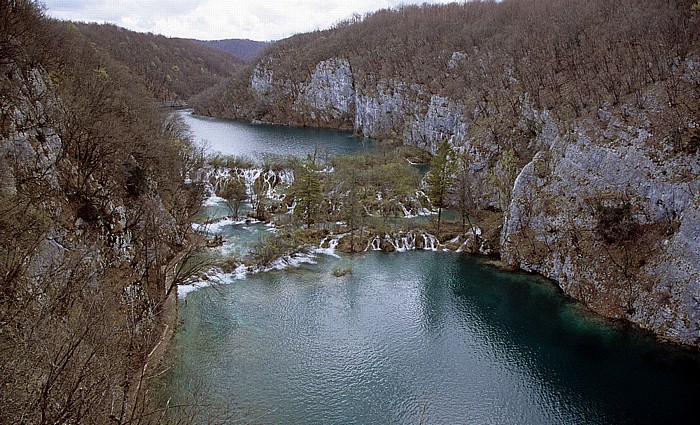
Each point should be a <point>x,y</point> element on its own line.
<point>218,19</point>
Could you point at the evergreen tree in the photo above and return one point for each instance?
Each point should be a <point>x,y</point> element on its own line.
<point>307,192</point>
<point>440,178</point>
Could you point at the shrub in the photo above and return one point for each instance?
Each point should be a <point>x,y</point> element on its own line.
<point>616,224</point>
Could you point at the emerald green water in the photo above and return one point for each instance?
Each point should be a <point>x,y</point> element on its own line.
<point>418,337</point>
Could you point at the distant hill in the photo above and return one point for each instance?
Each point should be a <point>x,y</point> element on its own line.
<point>246,50</point>
<point>173,69</point>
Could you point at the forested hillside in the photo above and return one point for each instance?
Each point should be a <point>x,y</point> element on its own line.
<point>172,69</point>
<point>95,208</point>
<point>576,121</point>
<point>569,57</point>
<point>247,50</point>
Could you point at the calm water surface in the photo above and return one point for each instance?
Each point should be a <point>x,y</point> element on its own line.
<point>420,337</point>
<point>232,137</point>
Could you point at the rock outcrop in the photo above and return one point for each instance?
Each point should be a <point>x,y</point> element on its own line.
<point>610,215</point>
<point>578,177</point>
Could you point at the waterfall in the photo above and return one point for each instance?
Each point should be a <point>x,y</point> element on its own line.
<point>430,242</point>
<point>329,244</point>
<point>403,243</point>
<point>375,244</point>
<point>272,183</point>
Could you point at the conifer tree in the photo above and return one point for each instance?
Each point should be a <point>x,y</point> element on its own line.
<point>307,192</point>
<point>440,178</point>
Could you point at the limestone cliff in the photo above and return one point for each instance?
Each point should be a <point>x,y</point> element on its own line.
<point>584,136</point>
<point>609,215</point>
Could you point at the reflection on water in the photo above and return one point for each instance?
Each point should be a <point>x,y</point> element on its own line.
<point>231,137</point>
<point>420,337</point>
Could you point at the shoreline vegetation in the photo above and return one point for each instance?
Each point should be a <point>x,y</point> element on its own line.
<point>350,203</point>
<point>99,185</point>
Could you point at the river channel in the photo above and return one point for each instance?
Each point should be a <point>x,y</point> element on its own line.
<point>416,337</point>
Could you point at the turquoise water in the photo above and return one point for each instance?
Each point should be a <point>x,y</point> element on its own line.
<point>419,337</point>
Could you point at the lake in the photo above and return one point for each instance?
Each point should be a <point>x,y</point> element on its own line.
<point>232,137</point>
<point>417,337</point>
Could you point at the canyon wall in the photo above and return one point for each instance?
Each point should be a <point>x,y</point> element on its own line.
<point>606,205</point>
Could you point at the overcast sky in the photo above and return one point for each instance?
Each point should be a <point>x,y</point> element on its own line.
<point>261,20</point>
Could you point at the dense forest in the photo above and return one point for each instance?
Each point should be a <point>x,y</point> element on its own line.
<point>95,211</point>
<point>247,50</point>
<point>575,121</point>
<point>172,69</point>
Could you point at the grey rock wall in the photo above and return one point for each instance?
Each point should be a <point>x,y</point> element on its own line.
<point>552,227</point>
<point>330,93</point>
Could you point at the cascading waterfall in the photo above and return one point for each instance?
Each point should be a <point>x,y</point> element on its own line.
<point>329,244</point>
<point>430,242</point>
<point>468,243</point>
<point>403,243</point>
<point>271,183</point>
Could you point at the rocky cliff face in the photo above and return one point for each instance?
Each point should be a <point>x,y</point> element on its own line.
<point>607,206</point>
<point>332,97</point>
<point>609,214</point>
<point>329,96</point>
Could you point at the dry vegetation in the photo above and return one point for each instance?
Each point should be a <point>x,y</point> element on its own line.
<point>172,69</point>
<point>94,207</point>
<point>569,57</point>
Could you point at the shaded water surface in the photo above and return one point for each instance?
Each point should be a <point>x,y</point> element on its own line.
<point>232,137</point>
<point>420,337</point>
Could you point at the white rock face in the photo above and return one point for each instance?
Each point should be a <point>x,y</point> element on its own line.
<point>382,114</point>
<point>551,228</point>
<point>266,86</point>
<point>443,120</point>
<point>261,81</point>
<point>30,149</point>
<point>673,305</point>
<point>330,94</point>
<point>456,59</point>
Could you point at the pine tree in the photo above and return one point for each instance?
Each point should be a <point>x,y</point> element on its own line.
<point>307,192</point>
<point>440,178</point>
